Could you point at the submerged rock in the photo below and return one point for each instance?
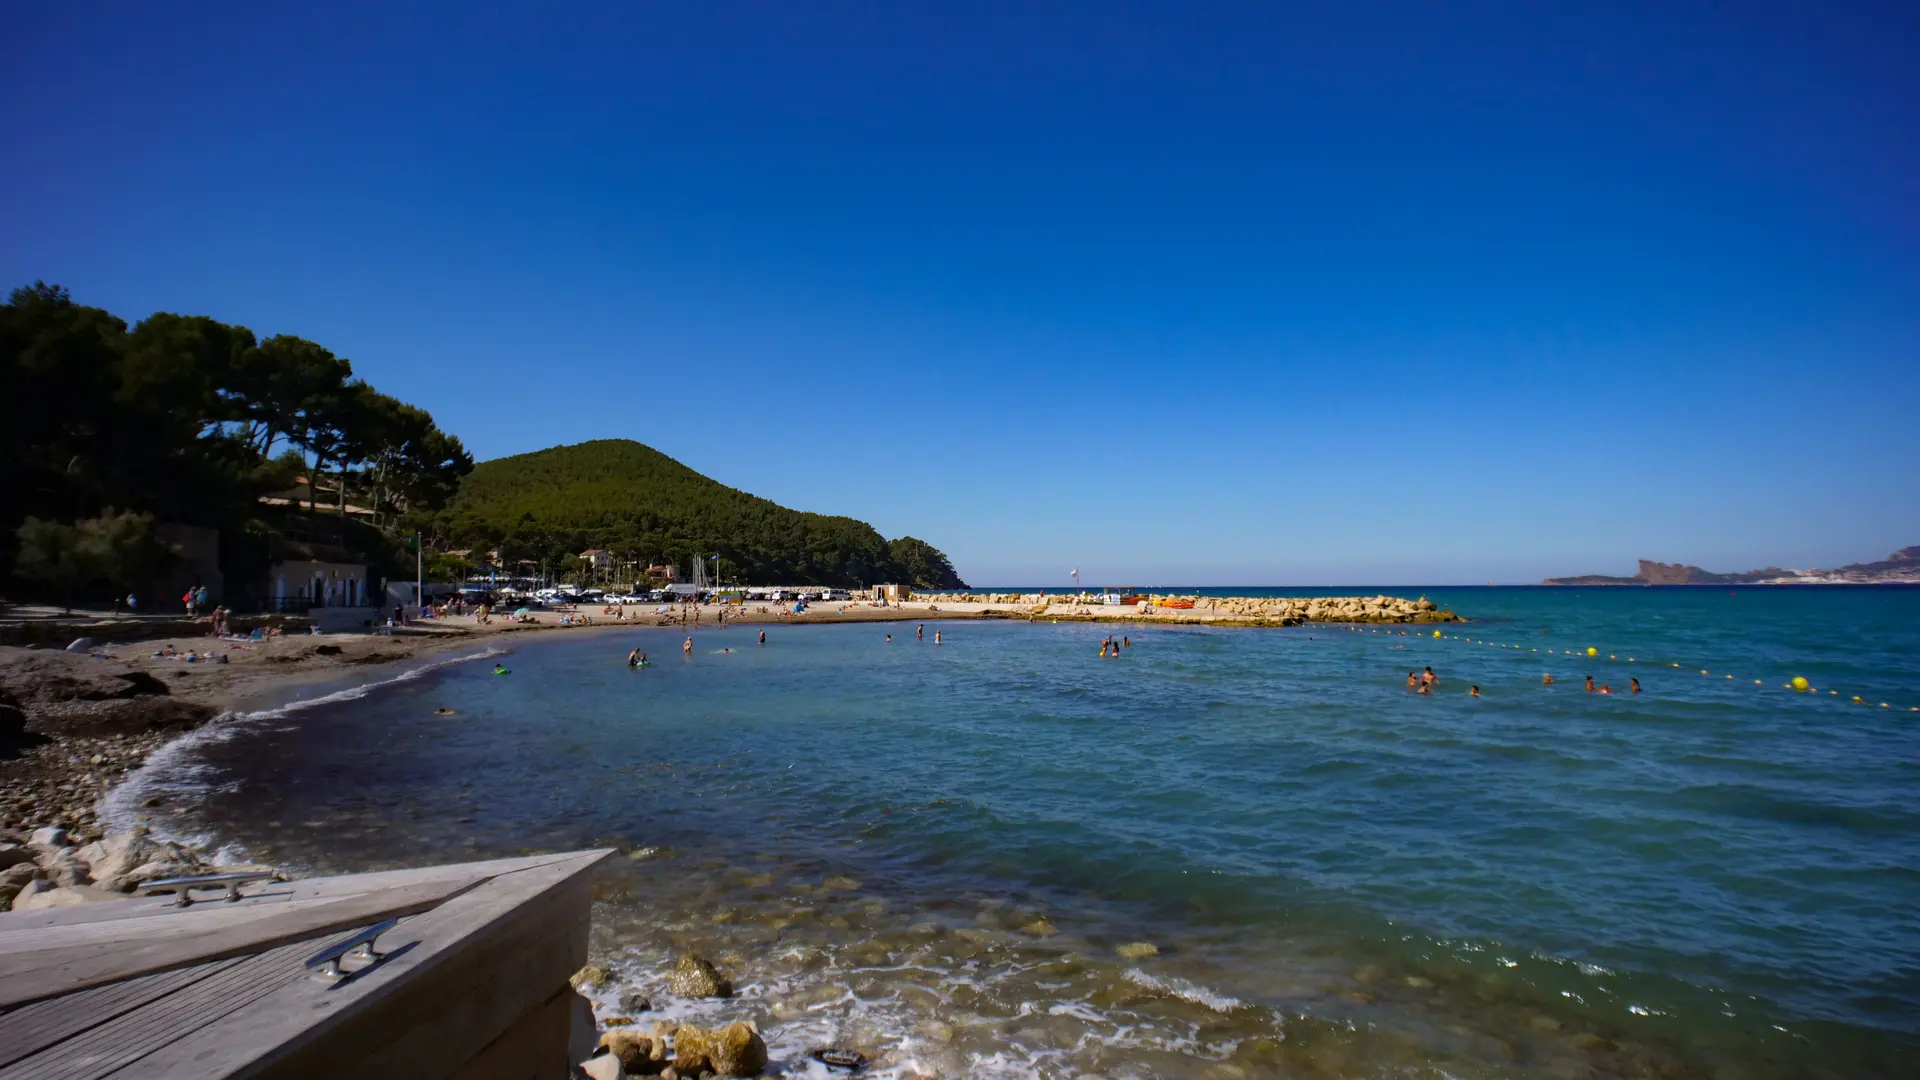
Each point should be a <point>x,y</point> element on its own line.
<point>693,977</point>
<point>591,977</point>
<point>734,1050</point>
<point>1138,950</point>
<point>640,1055</point>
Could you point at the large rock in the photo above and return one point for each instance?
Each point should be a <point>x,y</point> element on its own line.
<point>114,858</point>
<point>40,893</point>
<point>693,977</point>
<point>12,855</point>
<point>48,837</point>
<point>640,1055</point>
<point>63,868</point>
<point>15,878</point>
<point>604,1067</point>
<point>734,1050</point>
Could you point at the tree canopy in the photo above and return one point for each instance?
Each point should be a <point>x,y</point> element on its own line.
<point>189,419</point>
<point>644,506</point>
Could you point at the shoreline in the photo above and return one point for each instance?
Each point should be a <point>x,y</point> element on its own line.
<point>92,719</point>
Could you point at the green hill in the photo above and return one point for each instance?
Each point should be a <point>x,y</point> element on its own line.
<point>644,506</point>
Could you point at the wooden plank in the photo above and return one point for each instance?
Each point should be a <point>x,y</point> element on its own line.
<point>265,892</point>
<point>32,1028</point>
<point>534,1048</point>
<point>457,977</point>
<point>105,1049</point>
<point>30,976</point>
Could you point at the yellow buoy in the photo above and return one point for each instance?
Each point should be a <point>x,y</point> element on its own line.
<point>1591,651</point>
<point>1856,697</point>
<point>1800,683</point>
<point>1436,633</point>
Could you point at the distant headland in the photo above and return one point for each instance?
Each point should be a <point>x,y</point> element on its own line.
<point>1900,568</point>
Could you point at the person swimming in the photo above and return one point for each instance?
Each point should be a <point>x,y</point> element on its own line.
<point>1590,684</point>
<point>1635,682</point>
<point>500,669</point>
<point>1128,642</point>
<point>687,646</point>
<point>1474,692</point>
<point>889,639</point>
<point>633,659</point>
<point>920,632</point>
<point>763,637</point>
<point>1606,689</point>
<point>1547,679</point>
<point>1425,689</point>
<point>1412,680</point>
<point>936,637</point>
<point>1430,678</point>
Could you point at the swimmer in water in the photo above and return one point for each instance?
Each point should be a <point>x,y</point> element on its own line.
<point>1636,684</point>
<point>1412,680</point>
<point>1589,684</point>
<point>686,646</point>
<point>1547,679</point>
<point>1425,689</point>
<point>499,669</point>
<point>920,632</point>
<point>1606,689</point>
<point>763,637</point>
<point>633,659</point>
<point>1128,642</point>
<point>1475,692</point>
<point>889,639</point>
<point>936,637</point>
<point>1430,678</point>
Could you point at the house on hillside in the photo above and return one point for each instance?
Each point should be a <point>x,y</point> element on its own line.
<point>597,560</point>
<point>663,573</point>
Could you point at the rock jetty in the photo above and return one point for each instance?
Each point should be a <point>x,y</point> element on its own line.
<point>1212,610</point>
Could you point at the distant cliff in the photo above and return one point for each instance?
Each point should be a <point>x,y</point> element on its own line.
<point>1901,567</point>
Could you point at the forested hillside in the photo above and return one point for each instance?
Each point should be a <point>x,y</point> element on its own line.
<point>644,507</point>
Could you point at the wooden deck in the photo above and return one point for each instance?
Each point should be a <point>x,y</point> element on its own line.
<point>471,980</point>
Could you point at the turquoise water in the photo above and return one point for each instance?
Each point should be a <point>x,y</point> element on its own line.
<point>936,850</point>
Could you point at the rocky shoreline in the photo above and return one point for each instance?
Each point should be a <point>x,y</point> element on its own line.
<point>1193,608</point>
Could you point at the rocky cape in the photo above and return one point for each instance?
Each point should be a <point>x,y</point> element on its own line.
<point>1900,568</point>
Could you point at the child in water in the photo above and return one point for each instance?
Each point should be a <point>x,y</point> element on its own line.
<point>1636,684</point>
<point>1475,692</point>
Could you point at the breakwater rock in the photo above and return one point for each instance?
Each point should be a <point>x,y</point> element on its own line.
<point>1223,610</point>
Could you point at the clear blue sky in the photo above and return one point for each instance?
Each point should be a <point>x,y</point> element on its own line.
<point>1321,293</point>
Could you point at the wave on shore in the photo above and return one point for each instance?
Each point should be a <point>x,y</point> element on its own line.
<point>172,771</point>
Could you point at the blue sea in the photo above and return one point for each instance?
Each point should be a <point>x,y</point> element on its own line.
<point>955,857</point>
